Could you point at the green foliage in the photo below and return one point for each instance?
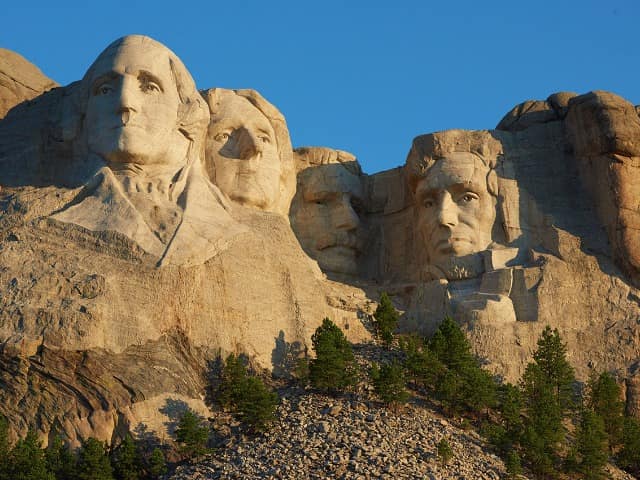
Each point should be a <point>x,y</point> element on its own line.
<point>334,368</point>
<point>451,347</point>
<point>5,448</point>
<point>547,388</point>
<point>192,435</point>
<point>629,456</point>
<point>543,429</point>
<point>248,397</point>
<point>126,460</point>
<point>60,460</point>
<point>27,460</point>
<point>157,464</point>
<point>386,319</point>
<point>551,358</point>
<point>257,406</point>
<point>445,454</point>
<point>460,382</point>
<point>506,434</point>
<point>93,461</point>
<point>605,399</point>
<point>513,464</point>
<point>389,382</point>
<point>234,374</point>
<point>421,364</point>
<point>591,446</point>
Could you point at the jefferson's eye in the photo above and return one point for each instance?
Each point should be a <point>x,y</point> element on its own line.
<point>222,137</point>
<point>264,139</point>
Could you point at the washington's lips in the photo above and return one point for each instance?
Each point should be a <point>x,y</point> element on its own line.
<point>449,244</point>
<point>347,240</point>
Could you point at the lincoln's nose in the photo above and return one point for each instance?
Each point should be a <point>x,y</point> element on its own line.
<point>447,212</point>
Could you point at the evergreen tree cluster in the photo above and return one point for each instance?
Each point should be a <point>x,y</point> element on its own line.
<point>445,367</point>
<point>253,403</point>
<point>27,460</point>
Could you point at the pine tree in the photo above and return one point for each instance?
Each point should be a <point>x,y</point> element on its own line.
<point>234,374</point>
<point>543,429</point>
<point>257,406</point>
<point>510,406</point>
<point>591,445</point>
<point>389,383</point>
<point>513,464</point>
<point>605,399</point>
<point>5,448</point>
<point>192,434</point>
<point>421,364</point>
<point>334,368</point>
<point>28,461</point>
<point>93,461</point>
<point>551,358</point>
<point>157,464</point>
<point>127,461</point>
<point>629,456</point>
<point>451,347</point>
<point>445,454</point>
<point>386,319</point>
<point>60,460</point>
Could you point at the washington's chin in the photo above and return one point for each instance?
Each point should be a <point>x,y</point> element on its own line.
<point>251,197</point>
<point>338,259</point>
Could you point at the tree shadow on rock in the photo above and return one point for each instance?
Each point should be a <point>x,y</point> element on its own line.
<point>286,356</point>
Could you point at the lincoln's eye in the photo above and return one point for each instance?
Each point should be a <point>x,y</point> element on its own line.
<point>103,89</point>
<point>469,197</point>
<point>222,137</point>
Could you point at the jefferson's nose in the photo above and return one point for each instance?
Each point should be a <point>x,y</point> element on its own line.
<point>249,144</point>
<point>447,212</point>
<point>345,216</point>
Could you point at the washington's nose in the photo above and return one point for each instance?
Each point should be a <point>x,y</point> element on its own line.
<point>447,211</point>
<point>128,96</point>
<point>249,144</point>
<point>346,218</point>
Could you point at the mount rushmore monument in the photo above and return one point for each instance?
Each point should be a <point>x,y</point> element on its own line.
<point>148,226</point>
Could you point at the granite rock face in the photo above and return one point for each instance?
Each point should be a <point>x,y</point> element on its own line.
<point>20,80</point>
<point>148,228</point>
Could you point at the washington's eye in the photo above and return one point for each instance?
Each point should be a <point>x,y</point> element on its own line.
<point>222,137</point>
<point>428,202</point>
<point>149,86</point>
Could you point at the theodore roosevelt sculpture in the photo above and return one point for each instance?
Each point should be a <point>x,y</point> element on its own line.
<point>144,122</point>
<point>248,151</point>
<point>455,187</point>
<point>327,211</point>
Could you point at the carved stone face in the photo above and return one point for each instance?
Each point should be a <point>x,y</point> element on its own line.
<point>328,219</point>
<point>132,110</point>
<point>456,212</point>
<point>242,145</point>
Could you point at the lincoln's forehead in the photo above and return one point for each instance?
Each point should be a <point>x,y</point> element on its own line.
<point>456,168</point>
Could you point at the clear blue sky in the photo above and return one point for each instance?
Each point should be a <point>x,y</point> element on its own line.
<point>362,76</point>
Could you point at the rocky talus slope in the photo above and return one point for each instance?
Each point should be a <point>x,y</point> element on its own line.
<point>350,437</point>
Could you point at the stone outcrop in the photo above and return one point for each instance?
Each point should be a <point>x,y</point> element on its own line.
<point>132,258</point>
<point>20,81</point>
